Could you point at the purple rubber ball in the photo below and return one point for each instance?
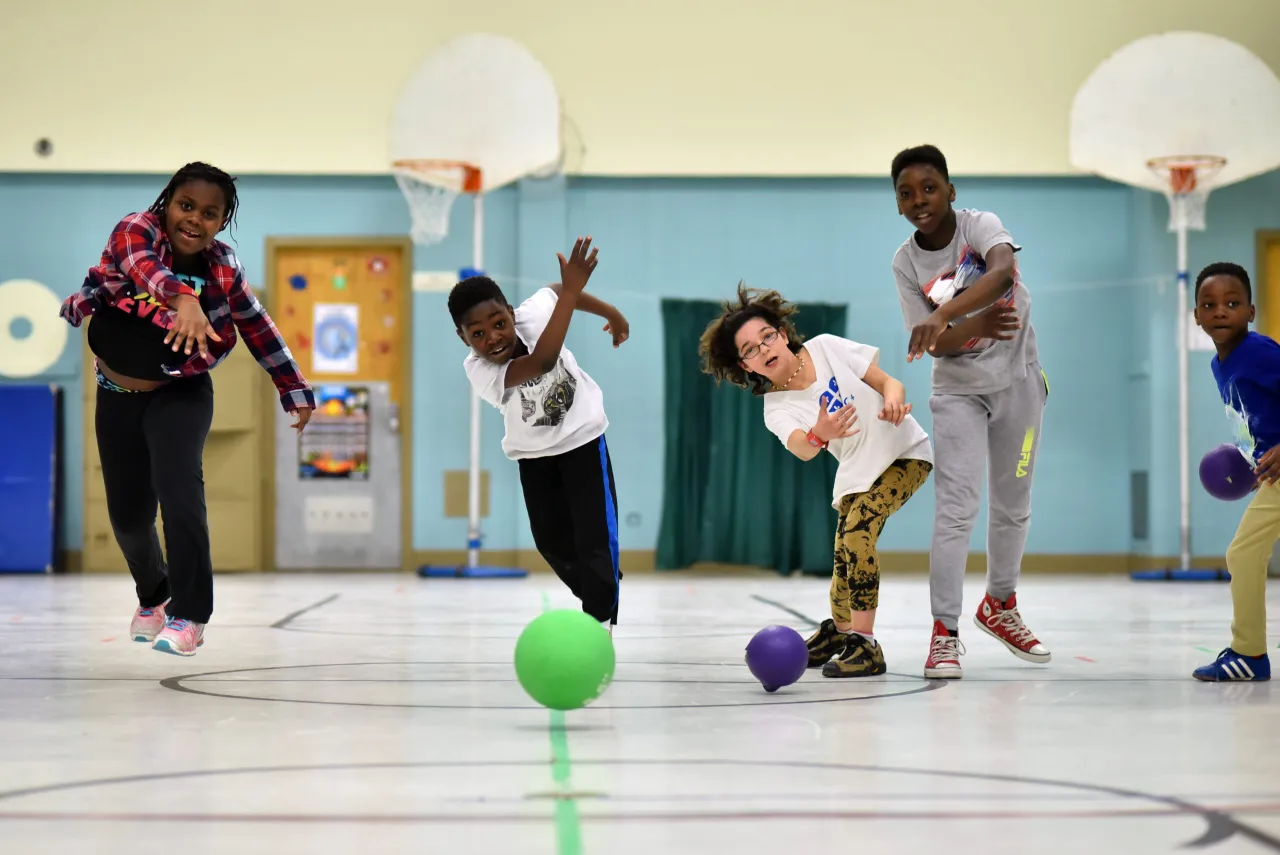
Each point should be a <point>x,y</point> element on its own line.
<point>777,657</point>
<point>1226,473</point>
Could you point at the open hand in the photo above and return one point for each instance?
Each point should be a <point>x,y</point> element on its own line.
<point>1268,468</point>
<point>302,416</point>
<point>999,322</point>
<point>924,337</point>
<point>837,425</point>
<point>619,328</point>
<point>575,272</point>
<point>190,327</point>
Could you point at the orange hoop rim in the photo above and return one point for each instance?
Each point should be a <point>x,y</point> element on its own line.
<point>471,174</point>
<point>1183,170</point>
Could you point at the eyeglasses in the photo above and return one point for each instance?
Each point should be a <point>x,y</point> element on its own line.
<point>754,350</point>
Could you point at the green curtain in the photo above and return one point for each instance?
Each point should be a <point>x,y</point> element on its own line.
<point>732,493</point>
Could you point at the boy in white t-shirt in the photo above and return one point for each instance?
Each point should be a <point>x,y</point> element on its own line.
<point>555,420</point>
<point>813,392</point>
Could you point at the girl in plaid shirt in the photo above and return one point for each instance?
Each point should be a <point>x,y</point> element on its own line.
<point>167,299</point>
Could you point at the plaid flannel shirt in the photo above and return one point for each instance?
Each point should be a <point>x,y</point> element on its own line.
<point>138,258</point>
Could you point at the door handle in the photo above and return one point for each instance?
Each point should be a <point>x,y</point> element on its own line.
<point>393,420</point>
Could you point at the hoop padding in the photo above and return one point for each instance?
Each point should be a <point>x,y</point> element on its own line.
<point>483,100</point>
<point>1176,95</point>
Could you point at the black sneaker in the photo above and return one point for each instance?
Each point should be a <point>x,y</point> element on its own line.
<point>825,643</point>
<point>861,658</point>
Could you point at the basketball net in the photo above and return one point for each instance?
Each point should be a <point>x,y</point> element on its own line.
<point>430,188</point>
<point>1188,182</point>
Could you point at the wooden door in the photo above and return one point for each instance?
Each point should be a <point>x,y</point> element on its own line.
<point>344,306</point>
<point>1266,291</point>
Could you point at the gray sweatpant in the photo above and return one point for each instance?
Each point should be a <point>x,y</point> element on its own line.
<point>1001,433</point>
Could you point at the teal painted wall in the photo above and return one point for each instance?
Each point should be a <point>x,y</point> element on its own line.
<point>1095,256</point>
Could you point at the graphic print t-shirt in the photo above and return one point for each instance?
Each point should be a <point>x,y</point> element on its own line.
<point>928,279</point>
<point>129,334</point>
<point>840,365</point>
<point>557,412</point>
<point>1249,383</point>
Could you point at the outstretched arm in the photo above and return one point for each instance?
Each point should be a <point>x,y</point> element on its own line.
<point>981,294</point>
<point>575,272</point>
<point>616,322</point>
<point>269,348</point>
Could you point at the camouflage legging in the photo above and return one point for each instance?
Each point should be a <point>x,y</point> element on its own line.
<point>855,584</point>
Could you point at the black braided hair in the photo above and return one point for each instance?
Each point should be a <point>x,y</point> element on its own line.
<point>197,171</point>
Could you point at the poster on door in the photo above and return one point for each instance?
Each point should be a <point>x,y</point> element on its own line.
<point>336,338</point>
<point>336,441</point>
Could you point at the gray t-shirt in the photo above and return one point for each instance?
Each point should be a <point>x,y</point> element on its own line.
<point>928,279</point>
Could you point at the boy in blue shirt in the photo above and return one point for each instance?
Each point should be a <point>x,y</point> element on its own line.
<point>1247,368</point>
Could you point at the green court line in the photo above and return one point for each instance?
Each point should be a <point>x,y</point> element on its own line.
<point>568,825</point>
<point>1206,649</point>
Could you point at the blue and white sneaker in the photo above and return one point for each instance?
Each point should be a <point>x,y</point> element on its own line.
<point>1231,667</point>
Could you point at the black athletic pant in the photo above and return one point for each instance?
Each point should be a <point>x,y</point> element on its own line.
<point>573,512</point>
<point>152,450</point>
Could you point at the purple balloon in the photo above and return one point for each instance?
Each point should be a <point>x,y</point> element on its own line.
<point>777,657</point>
<point>1226,473</point>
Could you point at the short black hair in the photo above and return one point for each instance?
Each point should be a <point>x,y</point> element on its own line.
<point>920,155</point>
<point>471,292</point>
<point>197,171</point>
<point>1225,268</point>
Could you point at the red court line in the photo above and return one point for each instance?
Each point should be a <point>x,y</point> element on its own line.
<point>1085,659</point>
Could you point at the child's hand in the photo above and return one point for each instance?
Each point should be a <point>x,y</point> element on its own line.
<point>190,327</point>
<point>998,322</point>
<point>895,408</point>
<point>837,425</point>
<point>924,337</point>
<point>1268,468</point>
<point>619,327</point>
<point>303,415</point>
<point>575,272</point>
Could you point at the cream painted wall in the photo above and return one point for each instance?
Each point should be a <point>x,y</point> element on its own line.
<point>657,87</point>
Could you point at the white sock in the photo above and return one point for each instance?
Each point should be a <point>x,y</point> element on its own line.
<point>867,635</point>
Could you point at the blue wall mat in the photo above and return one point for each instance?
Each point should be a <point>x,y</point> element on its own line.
<point>30,440</point>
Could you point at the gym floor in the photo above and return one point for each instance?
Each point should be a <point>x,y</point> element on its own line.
<point>381,714</point>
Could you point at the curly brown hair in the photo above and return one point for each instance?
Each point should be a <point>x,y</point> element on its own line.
<point>719,352</point>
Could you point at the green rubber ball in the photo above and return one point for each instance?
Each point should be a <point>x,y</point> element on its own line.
<point>564,659</point>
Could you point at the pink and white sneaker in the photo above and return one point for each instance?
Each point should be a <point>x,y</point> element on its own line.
<point>180,636</point>
<point>945,650</point>
<point>147,622</point>
<point>1002,621</point>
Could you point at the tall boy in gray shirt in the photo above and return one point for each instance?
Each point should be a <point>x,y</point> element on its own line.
<point>965,305</point>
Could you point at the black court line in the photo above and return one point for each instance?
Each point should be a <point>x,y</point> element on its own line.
<point>287,619</point>
<point>786,608</point>
<point>1221,825</point>
<point>737,633</point>
<point>177,684</point>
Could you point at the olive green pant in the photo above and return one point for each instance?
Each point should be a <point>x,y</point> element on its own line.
<point>855,584</point>
<point>1247,559</point>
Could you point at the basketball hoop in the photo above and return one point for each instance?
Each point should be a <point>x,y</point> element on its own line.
<point>430,188</point>
<point>1188,180</point>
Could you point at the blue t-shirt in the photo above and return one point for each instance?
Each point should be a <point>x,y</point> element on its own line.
<point>1249,382</point>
